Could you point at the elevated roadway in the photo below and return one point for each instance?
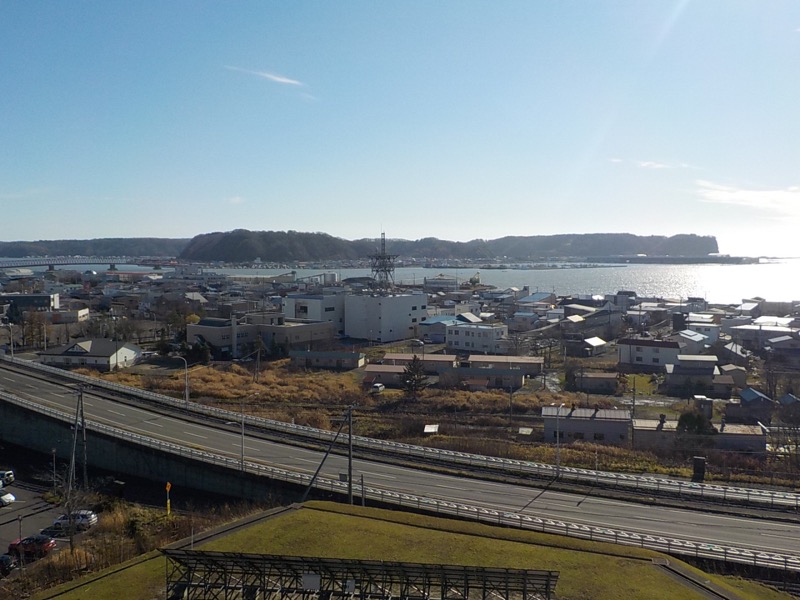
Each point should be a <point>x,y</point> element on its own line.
<point>505,500</point>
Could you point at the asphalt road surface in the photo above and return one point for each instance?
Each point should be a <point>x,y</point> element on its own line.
<point>756,534</point>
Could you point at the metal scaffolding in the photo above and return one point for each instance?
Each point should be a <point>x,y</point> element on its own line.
<point>192,575</point>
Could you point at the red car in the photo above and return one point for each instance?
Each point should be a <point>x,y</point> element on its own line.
<point>32,546</point>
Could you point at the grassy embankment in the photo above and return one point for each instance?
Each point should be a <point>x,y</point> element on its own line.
<point>588,570</point>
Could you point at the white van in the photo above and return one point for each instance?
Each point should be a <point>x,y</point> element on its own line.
<point>377,388</point>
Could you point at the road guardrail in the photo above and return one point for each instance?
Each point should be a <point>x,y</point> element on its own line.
<point>755,497</point>
<point>670,545</point>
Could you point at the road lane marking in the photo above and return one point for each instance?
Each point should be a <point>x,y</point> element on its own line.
<point>381,475</point>
<point>196,435</point>
<point>114,412</point>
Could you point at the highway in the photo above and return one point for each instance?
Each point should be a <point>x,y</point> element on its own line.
<point>226,440</point>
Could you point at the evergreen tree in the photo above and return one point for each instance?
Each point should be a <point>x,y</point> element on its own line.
<point>414,378</point>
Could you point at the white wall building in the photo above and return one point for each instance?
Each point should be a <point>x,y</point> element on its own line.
<point>384,317</point>
<point>647,354</point>
<point>316,307</point>
<point>710,330</point>
<point>488,338</point>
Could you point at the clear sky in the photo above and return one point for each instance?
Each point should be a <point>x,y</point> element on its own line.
<point>451,119</point>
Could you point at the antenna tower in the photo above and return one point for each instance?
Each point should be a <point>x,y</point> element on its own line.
<point>382,266</point>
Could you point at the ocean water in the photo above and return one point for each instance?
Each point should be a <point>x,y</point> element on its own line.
<point>775,280</point>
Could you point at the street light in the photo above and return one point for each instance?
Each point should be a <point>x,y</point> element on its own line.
<point>185,379</point>
<point>241,407</point>
<point>11,337</point>
<point>241,423</point>
<point>558,440</point>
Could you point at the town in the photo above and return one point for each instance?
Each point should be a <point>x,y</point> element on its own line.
<point>734,367</point>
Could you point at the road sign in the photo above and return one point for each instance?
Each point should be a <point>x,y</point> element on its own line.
<point>169,486</point>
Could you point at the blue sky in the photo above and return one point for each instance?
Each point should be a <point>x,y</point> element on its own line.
<point>452,119</point>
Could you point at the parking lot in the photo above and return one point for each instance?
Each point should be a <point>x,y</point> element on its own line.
<point>27,516</point>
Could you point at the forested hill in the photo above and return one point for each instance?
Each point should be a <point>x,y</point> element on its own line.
<point>292,246</point>
<point>99,247</point>
<point>287,246</point>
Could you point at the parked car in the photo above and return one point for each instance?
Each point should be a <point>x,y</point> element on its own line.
<point>60,530</point>
<point>7,477</point>
<point>82,519</point>
<point>7,564</point>
<point>6,497</point>
<point>32,546</point>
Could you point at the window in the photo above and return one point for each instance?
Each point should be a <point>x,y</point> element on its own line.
<point>578,435</point>
<point>655,361</point>
<point>413,321</point>
<point>638,359</point>
<point>638,348</point>
<point>599,436</point>
<point>330,308</point>
<point>655,350</point>
<point>413,308</point>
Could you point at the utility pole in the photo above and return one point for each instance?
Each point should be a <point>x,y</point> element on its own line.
<point>85,451</point>
<point>350,454</point>
<point>558,441</point>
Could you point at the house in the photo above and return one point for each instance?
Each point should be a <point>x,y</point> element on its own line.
<point>102,354</point>
<point>531,366</point>
<point>785,349</point>
<point>434,329</point>
<point>597,383</point>
<point>388,375</point>
<point>646,354</point>
<point>485,372</point>
<point>737,374</point>
<point>340,361</point>
<point>576,345</point>
<point>523,321</point>
<point>660,435</point>
<point>604,426</point>
<point>736,354</point>
<point>691,373</point>
<point>711,331</point>
<point>693,341</point>
<point>432,364</point>
<point>753,407</point>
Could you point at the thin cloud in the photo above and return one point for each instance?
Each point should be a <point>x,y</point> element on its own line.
<point>651,164</point>
<point>268,76</point>
<point>777,202</point>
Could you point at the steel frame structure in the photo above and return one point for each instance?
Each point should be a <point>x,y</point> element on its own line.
<point>199,575</point>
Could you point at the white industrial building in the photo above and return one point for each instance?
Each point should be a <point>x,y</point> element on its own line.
<point>384,317</point>
<point>316,307</point>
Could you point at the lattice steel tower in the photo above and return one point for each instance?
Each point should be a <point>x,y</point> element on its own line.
<point>382,266</point>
